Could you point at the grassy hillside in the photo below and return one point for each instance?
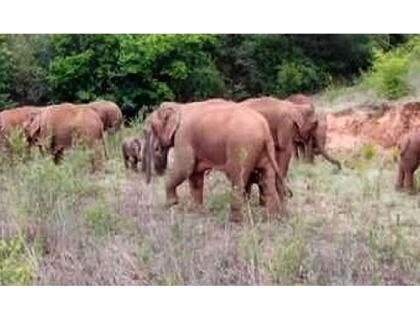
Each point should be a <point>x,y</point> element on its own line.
<point>65,225</point>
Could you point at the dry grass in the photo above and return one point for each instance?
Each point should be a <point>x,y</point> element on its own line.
<point>62,225</point>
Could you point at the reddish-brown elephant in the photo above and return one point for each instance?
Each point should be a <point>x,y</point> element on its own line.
<point>15,118</point>
<point>131,150</point>
<point>212,136</point>
<point>409,147</point>
<point>287,126</point>
<point>60,126</point>
<point>316,144</point>
<point>110,114</point>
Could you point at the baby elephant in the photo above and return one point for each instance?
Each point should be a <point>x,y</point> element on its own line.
<point>409,146</point>
<point>131,149</point>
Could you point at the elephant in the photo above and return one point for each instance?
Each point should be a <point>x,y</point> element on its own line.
<point>409,147</point>
<point>131,150</point>
<point>58,127</point>
<point>212,136</point>
<point>286,126</point>
<point>315,145</point>
<point>109,113</point>
<point>15,118</point>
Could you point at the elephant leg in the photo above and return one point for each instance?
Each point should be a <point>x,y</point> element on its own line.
<point>58,155</point>
<point>262,190</point>
<point>409,182</point>
<point>296,150</point>
<point>238,176</point>
<point>273,198</point>
<point>183,167</point>
<point>308,150</point>
<point>126,162</point>
<point>400,177</point>
<point>196,182</point>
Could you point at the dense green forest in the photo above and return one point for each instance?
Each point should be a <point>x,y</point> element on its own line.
<point>143,70</point>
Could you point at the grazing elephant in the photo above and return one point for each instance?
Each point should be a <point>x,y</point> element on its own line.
<point>213,137</point>
<point>58,127</point>
<point>409,146</point>
<point>109,113</point>
<point>316,143</point>
<point>319,140</point>
<point>15,118</point>
<point>131,149</point>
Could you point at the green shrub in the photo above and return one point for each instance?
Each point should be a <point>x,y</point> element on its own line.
<point>388,75</point>
<point>368,151</point>
<point>297,76</point>
<point>287,264</point>
<point>101,219</point>
<point>14,266</point>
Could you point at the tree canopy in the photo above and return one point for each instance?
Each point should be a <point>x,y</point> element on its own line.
<point>144,70</point>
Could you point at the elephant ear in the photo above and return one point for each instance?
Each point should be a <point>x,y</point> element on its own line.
<point>169,117</point>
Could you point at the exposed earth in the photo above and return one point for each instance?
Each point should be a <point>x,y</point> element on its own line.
<point>381,125</point>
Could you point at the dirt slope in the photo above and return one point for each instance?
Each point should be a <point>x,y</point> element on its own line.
<point>381,125</point>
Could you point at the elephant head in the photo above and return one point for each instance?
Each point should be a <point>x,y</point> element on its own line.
<point>159,135</point>
<point>306,120</point>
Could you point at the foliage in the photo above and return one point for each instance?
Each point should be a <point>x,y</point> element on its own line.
<point>394,73</point>
<point>296,76</point>
<point>139,71</point>
<point>14,266</point>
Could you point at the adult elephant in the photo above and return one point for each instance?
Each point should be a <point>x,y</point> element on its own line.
<point>316,143</point>
<point>15,118</point>
<point>110,114</point>
<point>409,147</point>
<point>286,126</point>
<point>58,127</point>
<point>205,136</point>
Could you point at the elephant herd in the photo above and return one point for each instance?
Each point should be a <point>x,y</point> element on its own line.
<point>56,128</point>
<point>251,141</point>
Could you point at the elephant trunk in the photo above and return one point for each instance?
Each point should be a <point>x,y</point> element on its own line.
<point>328,157</point>
<point>147,155</point>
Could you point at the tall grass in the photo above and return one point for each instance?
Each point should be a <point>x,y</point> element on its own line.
<point>62,224</point>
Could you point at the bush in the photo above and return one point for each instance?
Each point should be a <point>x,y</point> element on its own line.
<point>296,76</point>
<point>388,76</point>
<point>14,266</point>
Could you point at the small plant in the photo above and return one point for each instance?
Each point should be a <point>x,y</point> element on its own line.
<point>17,146</point>
<point>287,264</point>
<point>101,219</point>
<point>368,151</point>
<point>14,266</point>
